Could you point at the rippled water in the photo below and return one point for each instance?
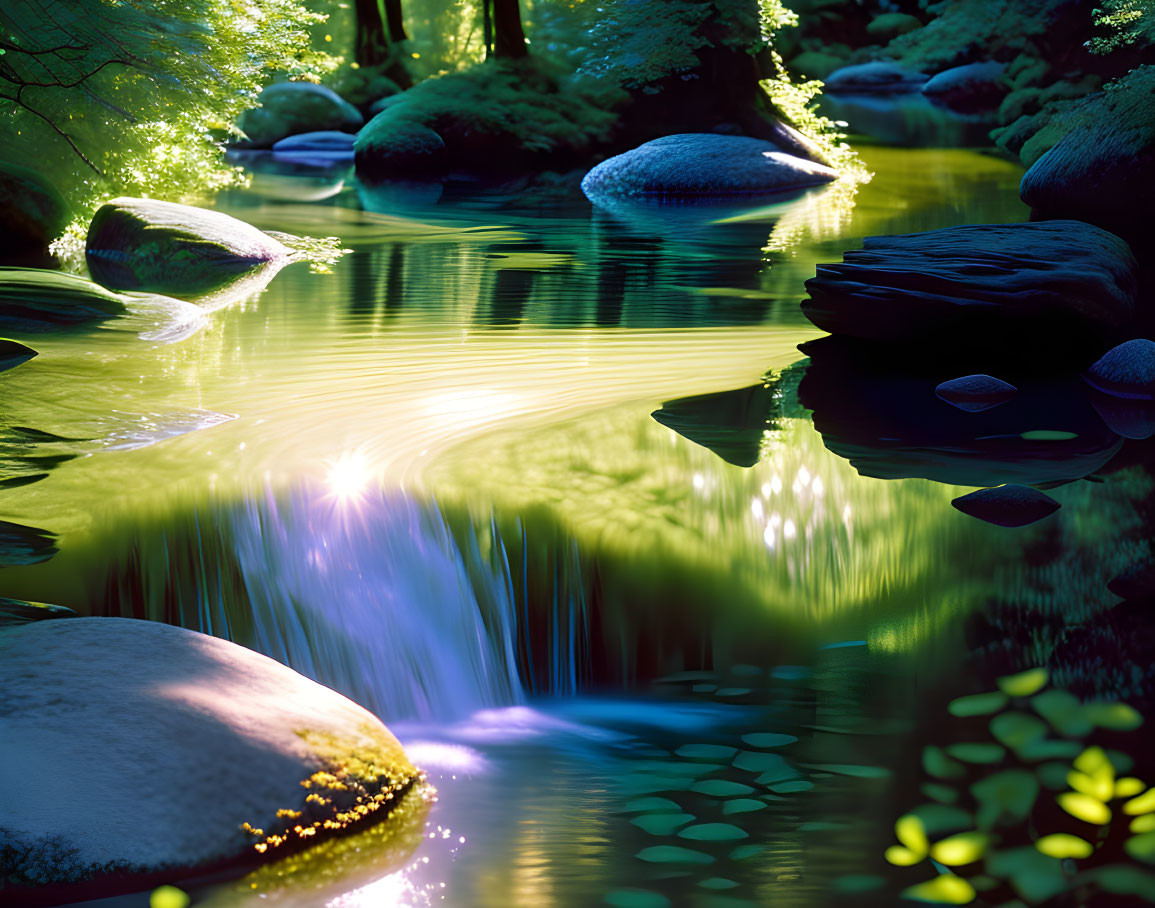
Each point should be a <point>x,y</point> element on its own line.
<point>538,485</point>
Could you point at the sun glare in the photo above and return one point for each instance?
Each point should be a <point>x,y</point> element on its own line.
<point>348,476</point>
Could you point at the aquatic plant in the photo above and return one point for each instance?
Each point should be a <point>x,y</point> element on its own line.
<point>1040,810</point>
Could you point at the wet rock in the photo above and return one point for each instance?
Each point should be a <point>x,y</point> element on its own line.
<point>17,611</point>
<point>389,148</point>
<point>13,353</point>
<point>885,26</point>
<point>972,87</point>
<point>1100,170</point>
<point>32,212</point>
<point>1007,506</point>
<point>729,423</point>
<point>988,284</point>
<point>816,64</point>
<point>200,756</point>
<point>289,108</point>
<point>1133,419</point>
<point>177,250</point>
<point>327,147</point>
<point>36,300</point>
<point>1126,371</point>
<point>701,166</point>
<point>21,545</point>
<point>1137,582</point>
<point>880,77</point>
<point>975,392</point>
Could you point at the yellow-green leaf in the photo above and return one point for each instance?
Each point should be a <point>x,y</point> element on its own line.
<point>964,848</point>
<point>1097,786</point>
<point>1093,760</point>
<point>1142,847</point>
<point>1129,787</point>
<point>977,704</point>
<point>1061,845</point>
<point>902,857</point>
<point>946,889</point>
<point>1145,803</point>
<point>1115,716</point>
<point>168,897</point>
<point>1084,807</point>
<point>912,834</point>
<point>1023,684</point>
<point>1145,823</point>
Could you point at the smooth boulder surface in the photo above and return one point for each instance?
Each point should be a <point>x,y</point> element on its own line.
<point>880,77</point>
<point>32,299</point>
<point>131,747</point>
<point>703,166</point>
<point>390,148</point>
<point>978,281</point>
<point>971,87</point>
<point>323,149</point>
<point>289,108</point>
<point>177,250</point>
<point>32,212</point>
<point>1008,506</point>
<point>1126,371</point>
<point>975,393</point>
<point>1100,171</point>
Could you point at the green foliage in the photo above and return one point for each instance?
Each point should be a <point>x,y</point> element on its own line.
<point>1126,22</point>
<point>1013,842</point>
<point>112,98</point>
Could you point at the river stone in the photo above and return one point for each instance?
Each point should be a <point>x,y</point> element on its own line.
<point>390,148</point>
<point>177,250</point>
<point>978,281</point>
<point>1100,170</point>
<point>975,393</point>
<point>703,166</point>
<point>131,746</point>
<point>289,108</point>
<point>1007,506</point>
<point>1126,371</point>
<point>13,353</point>
<point>32,212</point>
<point>968,88</point>
<point>1128,418</point>
<point>329,146</point>
<point>879,77</point>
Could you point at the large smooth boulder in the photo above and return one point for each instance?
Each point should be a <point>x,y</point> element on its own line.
<point>1100,170</point>
<point>316,149</point>
<point>177,250</point>
<point>972,87</point>
<point>1126,371</point>
<point>32,212</point>
<point>132,747</point>
<point>289,108</point>
<point>879,77</point>
<point>703,166</point>
<point>390,148</point>
<point>988,282</point>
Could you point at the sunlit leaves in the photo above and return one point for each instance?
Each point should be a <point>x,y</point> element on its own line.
<point>167,897</point>
<point>1129,787</point>
<point>1023,684</point>
<point>946,889</point>
<point>1142,847</point>
<point>957,850</point>
<point>1113,716</point>
<point>1145,823</point>
<point>902,857</point>
<point>1145,803</point>
<point>910,831</point>
<point>1084,807</point>
<point>1062,845</point>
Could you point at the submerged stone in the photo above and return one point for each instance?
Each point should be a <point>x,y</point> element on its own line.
<point>1126,371</point>
<point>290,108</point>
<point>701,167</point>
<point>1007,506</point>
<point>177,250</point>
<point>132,746</point>
<point>991,285</point>
<point>880,77</point>
<point>13,353</point>
<point>975,393</point>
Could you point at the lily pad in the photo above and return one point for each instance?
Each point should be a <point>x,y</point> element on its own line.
<point>714,832</point>
<point>721,788</point>
<point>662,823</point>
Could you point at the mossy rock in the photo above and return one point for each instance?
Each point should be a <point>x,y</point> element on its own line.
<point>393,148</point>
<point>288,108</point>
<point>816,64</point>
<point>889,25</point>
<point>32,212</point>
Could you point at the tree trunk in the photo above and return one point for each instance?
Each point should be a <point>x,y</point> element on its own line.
<point>509,39</point>
<point>394,21</point>
<point>372,45</point>
<point>487,26</point>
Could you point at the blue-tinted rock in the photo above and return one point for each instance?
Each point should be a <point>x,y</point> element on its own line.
<point>1134,419</point>
<point>1008,506</point>
<point>326,147</point>
<point>289,108</point>
<point>880,77</point>
<point>972,87</point>
<point>984,282</point>
<point>975,393</point>
<point>1126,371</point>
<point>390,148</point>
<point>703,166</point>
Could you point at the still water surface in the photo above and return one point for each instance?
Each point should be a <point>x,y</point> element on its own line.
<point>433,480</point>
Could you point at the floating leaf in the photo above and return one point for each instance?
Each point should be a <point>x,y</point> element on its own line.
<point>1122,879</point>
<point>965,848</point>
<point>1063,711</point>
<point>1115,716</point>
<point>977,704</point>
<point>1061,845</point>
<point>745,852</point>
<point>946,889</point>
<point>939,765</point>
<point>1017,730</point>
<point>1005,797</point>
<point>648,805</point>
<point>753,761</point>
<point>1145,803</point>
<point>636,898</point>
<point>1142,847</point>
<point>1049,749</point>
<point>1023,684</point>
<point>717,883</point>
<point>1054,775</point>
<point>791,787</point>
<point>1084,807</point>
<point>853,770</point>
<point>911,832</point>
<point>902,857</point>
<point>977,752</point>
